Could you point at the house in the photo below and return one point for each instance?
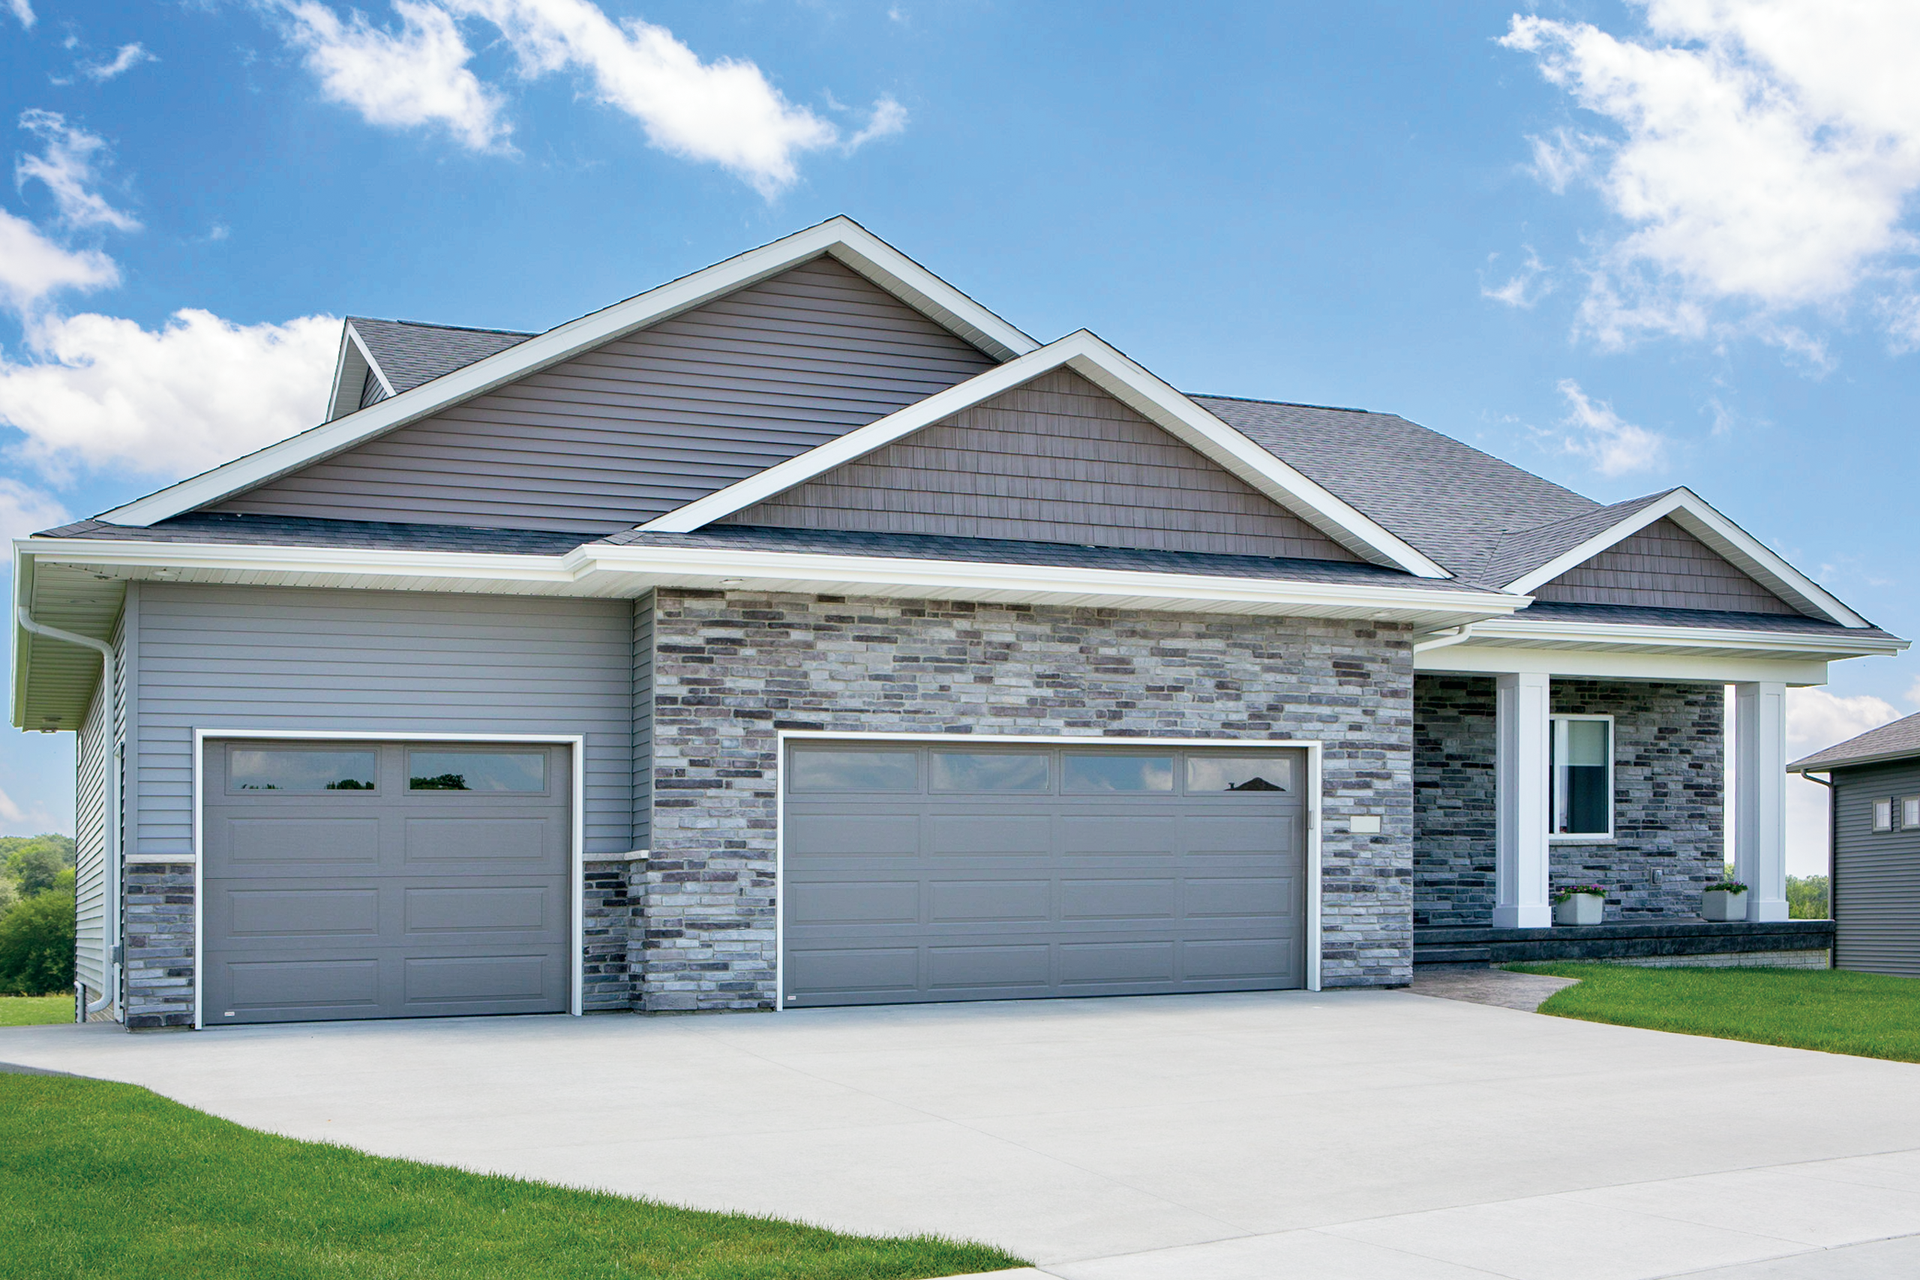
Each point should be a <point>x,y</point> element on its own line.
<point>1873,784</point>
<point>800,632</point>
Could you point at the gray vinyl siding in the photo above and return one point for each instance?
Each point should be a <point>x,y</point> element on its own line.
<point>643,721</point>
<point>1664,567</point>
<point>1876,874</point>
<point>649,422</point>
<point>374,662</point>
<point>89,839</point>
<point>371,392</point>
<point>1054,460</point>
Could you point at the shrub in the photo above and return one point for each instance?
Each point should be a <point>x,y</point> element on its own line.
<point>36,942</point>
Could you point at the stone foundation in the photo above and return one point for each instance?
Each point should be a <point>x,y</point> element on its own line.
<point>1822,959</point>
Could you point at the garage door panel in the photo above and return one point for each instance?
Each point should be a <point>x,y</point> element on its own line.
<point>388,900</point>
<point>1030,893</point>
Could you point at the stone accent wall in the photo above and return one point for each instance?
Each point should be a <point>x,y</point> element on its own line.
<point>1453,802</point>
<point>158,969</point>
<point>1668,803</point>
<point>606,983</point>
<point>733,668</point>
<point>1821,958</point>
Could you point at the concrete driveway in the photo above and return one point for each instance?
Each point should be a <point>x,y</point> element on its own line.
<point>1355,1134</point>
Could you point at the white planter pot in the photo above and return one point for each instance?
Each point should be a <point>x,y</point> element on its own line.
<point>1581,908</point>
<point>1723,904</point>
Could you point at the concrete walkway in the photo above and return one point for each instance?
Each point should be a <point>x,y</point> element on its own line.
<point>1523,991</point>
<point>1342,1135</point>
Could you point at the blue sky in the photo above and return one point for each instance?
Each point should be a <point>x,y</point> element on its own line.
<point>1625,246</point>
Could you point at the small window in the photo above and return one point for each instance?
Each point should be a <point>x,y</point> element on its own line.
<point>1883,815</point>
<point>476,771</point>
<point>1581,758</point>
<point>1239,773</point>
<point>1109,772</point>
<point>299,771</point>
<point>1910,813</point>
<point>989,771</point>
<point>854,771</point>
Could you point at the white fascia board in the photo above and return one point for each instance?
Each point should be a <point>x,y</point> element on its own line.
<point>1120,377</point>
<point>1742,549</point>
<point>845,239</point>
<point>22,638</point>
<point>1574,664</point>
<point>347,347</point>
<point>641,564</point>
<point>1522,631</point>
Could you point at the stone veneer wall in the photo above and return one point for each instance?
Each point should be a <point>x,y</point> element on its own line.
<point>1668,810</point>
<point>733,668</point>
<point>607,918</point>
<point>158,966</point>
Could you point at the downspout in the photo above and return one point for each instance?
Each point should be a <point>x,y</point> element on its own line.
<point>111,816</point>
<point>1450,637</point>
<point>1833,861</point>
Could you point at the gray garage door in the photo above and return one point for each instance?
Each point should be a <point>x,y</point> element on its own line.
<point>384,880</point>
<point>979,873</point>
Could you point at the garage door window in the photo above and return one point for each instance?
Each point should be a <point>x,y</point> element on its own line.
<point>298,771</point>
<point>1239,773</point>
<point>524,771</point>
<point>1085,774</point>
<point>990,771</point>
<point>855,771</point>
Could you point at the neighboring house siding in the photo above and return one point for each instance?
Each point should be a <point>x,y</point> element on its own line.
<point>1668,802</point>
<point>1876,874</point>
<point>1662,566</point>
<point>731,669</point>
<point>646,423</point>
<point>1055,460</point>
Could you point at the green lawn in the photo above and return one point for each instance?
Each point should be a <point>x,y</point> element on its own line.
<point>34,1011</point>
<point>1870,1015</point>
<point>107,1180</point>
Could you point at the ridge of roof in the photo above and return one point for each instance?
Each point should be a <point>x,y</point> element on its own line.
<point>1894,741</point>
<point>1290,404</point>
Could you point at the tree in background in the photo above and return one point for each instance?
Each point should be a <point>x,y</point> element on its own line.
<point>36,942</point>
<point>1807,897</point>
<point>32,862</point>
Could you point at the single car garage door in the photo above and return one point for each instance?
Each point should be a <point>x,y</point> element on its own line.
<point>965,872</point>
<point>384,880</point>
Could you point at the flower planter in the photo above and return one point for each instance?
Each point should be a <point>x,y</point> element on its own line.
<point>1723,904</point>
<point>1581,908</point>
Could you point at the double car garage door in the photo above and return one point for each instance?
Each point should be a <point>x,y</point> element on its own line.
<point>381,880</point>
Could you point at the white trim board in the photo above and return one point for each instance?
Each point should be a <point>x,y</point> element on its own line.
<point>1740,548</point>
<point>1314,786</point>
<point>1111,371</point>
<point>577,836</point>
<point>840,237</point>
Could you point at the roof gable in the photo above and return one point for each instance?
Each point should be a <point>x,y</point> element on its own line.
<point>1127,382</point>
<point>646,422</point>
<point>1053,460</point>
<point>1662,566</point>
<point>840,238</point>
<point>391,356</point>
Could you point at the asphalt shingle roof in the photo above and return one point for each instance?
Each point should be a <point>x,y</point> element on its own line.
<point>411,353</point>
<point>1895,741</point>
<point>217,528</point>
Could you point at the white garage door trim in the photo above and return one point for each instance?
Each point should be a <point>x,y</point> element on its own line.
<point>786,736</point>
<point>576,838</point>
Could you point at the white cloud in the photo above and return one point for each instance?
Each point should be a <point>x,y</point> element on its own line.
<point>23,11</point>
<point>129,57</point>
<point>724,112</point>
<point>25,510</point>
<point>67,169</point>
<point>32,266</point>
<point>104,392</point>
<point>1613,445</point>
<point>1526,287</point>
<point>888,118</point>
<point>415,77</point>
<point>1765,155</point>
<point>8,809</point>
<point>1817,719</point>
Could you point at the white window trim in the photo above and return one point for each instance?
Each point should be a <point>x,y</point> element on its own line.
<point>1594,837</point>
<point>1875,814</point>
<point>576,860</point>
<point>786,736</point>
<point>1901,812</point>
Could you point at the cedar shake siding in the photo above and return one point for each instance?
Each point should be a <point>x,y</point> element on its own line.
<point>648,422</point>
<point>1055,460</point>
<point>1664,567</point>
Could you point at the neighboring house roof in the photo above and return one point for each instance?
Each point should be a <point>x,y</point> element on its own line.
<point>408,353</point>
<point>1897,741</point>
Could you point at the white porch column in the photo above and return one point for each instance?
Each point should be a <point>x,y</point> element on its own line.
<point>1760,797</point>
<point>1521,706</point>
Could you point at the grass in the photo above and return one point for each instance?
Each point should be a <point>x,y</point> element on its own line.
<point>1870,1015</point>
<point>108,1181</point>
<point>35,1011</point>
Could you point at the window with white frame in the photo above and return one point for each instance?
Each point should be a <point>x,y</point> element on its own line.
<point>1909,812</point>
<point>1883,815</point>
<point>1580,755</point>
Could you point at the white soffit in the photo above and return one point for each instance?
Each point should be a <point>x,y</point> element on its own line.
<point>846,240</point>
<point>1740,548</point>
<point>1119,377</point>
